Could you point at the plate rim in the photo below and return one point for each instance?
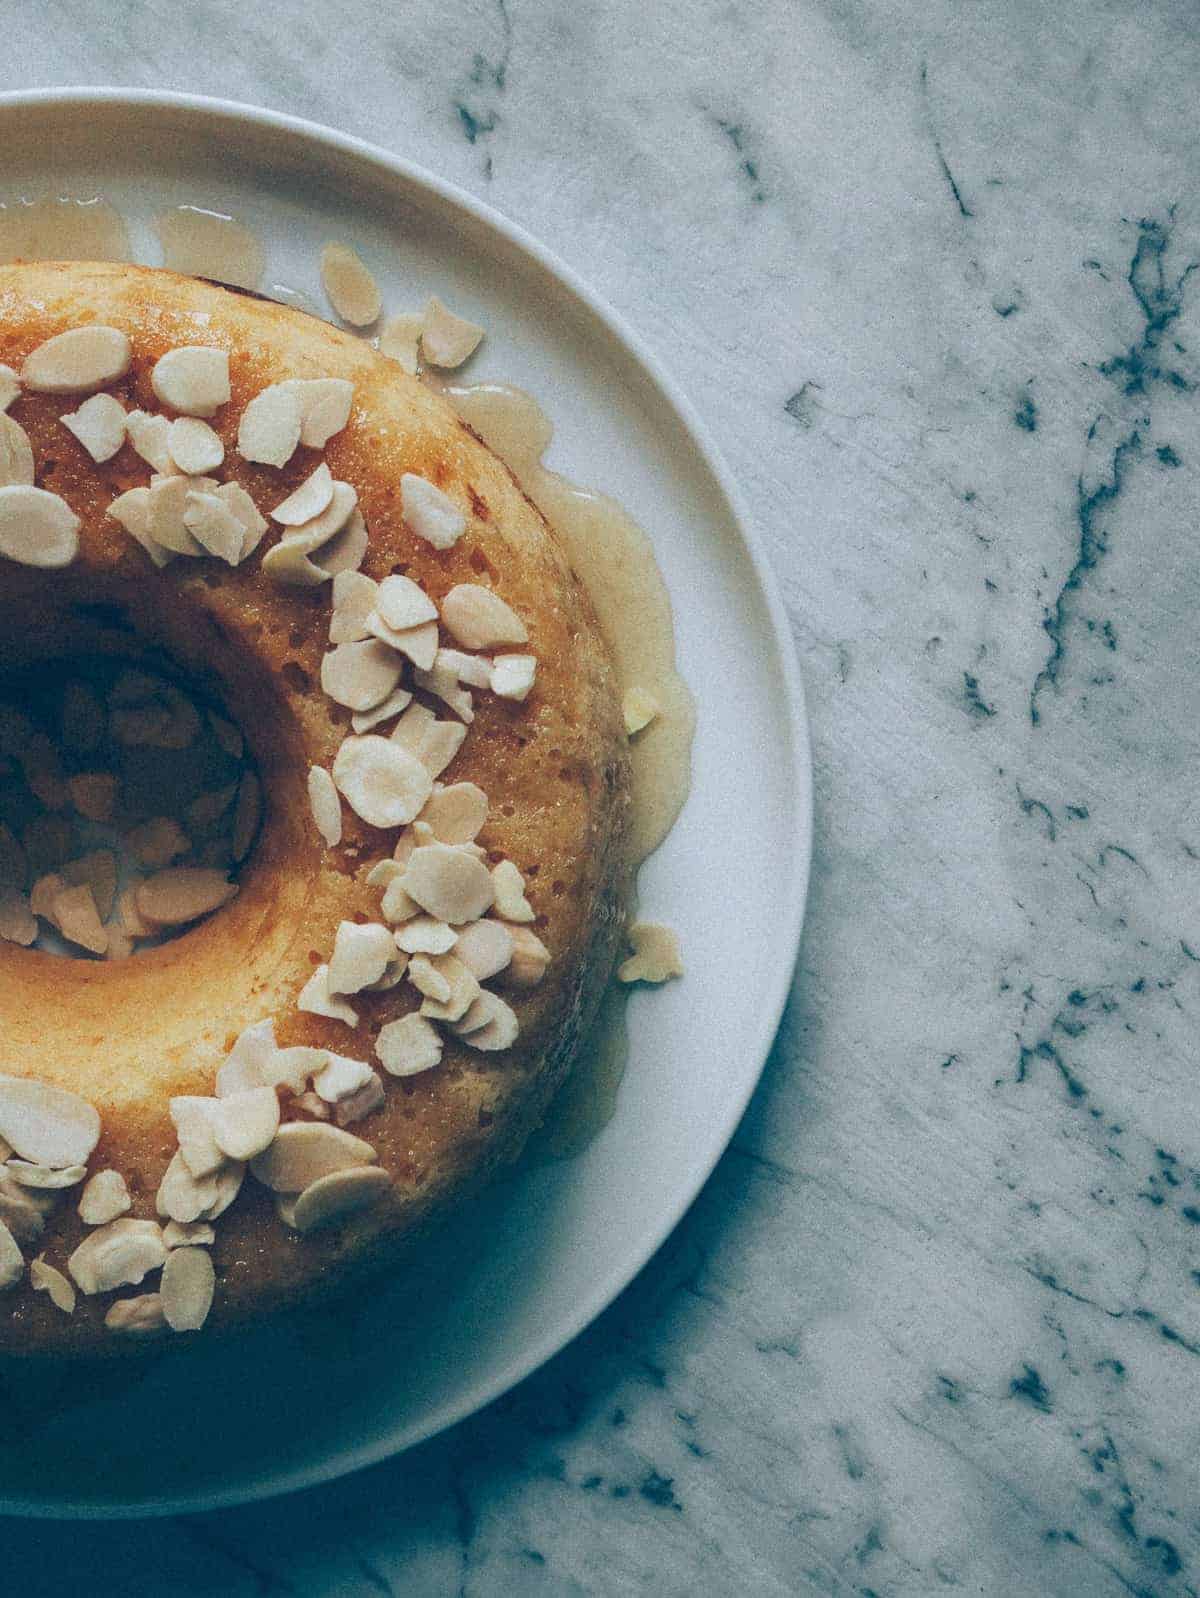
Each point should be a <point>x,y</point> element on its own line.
<point>227,114</point>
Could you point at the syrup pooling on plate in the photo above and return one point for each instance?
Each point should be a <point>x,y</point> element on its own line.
<point>203,243</point>
<point>57,228</point>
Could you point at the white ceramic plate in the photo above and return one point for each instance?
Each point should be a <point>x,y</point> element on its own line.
<point>524,1271</point>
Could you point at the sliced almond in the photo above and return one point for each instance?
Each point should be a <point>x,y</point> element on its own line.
<point>338,1195</point>
<point>180,894</point>
<point>132,510</point>
<point>360,956</point>
<point>426,935</point>
<point>356,1106</point>
<point>187,1287</point>
<point>304,1151</point>
<point>74,913</point>
<point>396,906</point>
<point>530,957</point>
<point>347,549</point>
<point>325,805</point>
<point>400,339</point>
<point>413,728</point>
<point>513,676</point>
<point>655,956</point>
<point>243,1065</point>
<point>441,682</point>
<point>447,340</point>
<point>464,989</point>
<point>228,1184</point>
<point>353,601</point>
<point>269,430</point>
<point>94,794</point>
<point>165,509</point>
<point>447,883</point>
<point>96,870</point>
<point>193,379</point>
<point>431,514</point>
<point>18,924</point>
<point>117,1255</point>
<point>43,894</point>
<point>485,947</point>
<point>77,361</point>
<point>360,675</point>
<point>402,603</point>
<point>489,1024</point>
<point>182,1196</point>
<point>16,453</point>
<point>351,290</point>
<point>21,1210</point>
<point>10,387</point>
<point>104,1197</point>
<point>188,1234</point>
<point>193,1118</point>
<point>148,432</point>
<point>247,814</point>
<point>37,528</point>
<point>45,1177</point>
<point>408,1046</point>
<point>292,1068</point>
<point>304,504</point>
<point>45,1278</point>
<point>136,1317</point>
<point>341,1078</point>
<point>381,781</point>
<point>509,888</point>
<point>315,998</point>
<point>156,843</point>
<point>639,708</point>
<point>314,1105</point>
<point>418,643</point>
<point>479,619</point>
<point>427,979</point>
<point>456,813</point>
<point>99,425</point>
<point>193,445</point>
<point>363,720</point>
<point>254,523</point>
<point>325,404</point>
<point>474,670</point>
<point>384,872</point>
<point>214,526</point>
<point>440,745</point>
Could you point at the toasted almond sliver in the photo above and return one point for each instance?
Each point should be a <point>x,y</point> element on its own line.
<point>449,884</point>
<point>447,340</point>
<point>338,1195</point>
<point>440,745</point>
<point>187,1286</point>
<point>325,805</point>
<point>655,956</point>
<point>99,425</point>
<point>165,508</point>
<point>341,1078</point>
<point>360,675</point>
<point>400,339</point>
<point>426,935</point>
<point>136,1317</point>
<point>408,1046</point>
<point>18,924</point>
<point>456,813</point>
<point>353,601</point>
<point>45,1278</point>
<point>77,361</point>
<point>16,453</point>
<point>10,386</point>
<point>21,1210</point>
<point>288,564</point>
<point>254,523</point>
<point>347,549</point>
<point>192,1115</point>
<point>638,709</point>
<point>117,1255</point>
<point>530,957</point>
<point>180,894</point>
<point>513,676</point>
<point>479,619</point>
<point>509,886</point>
<point>12,1261</point>
<point>269,430</point>
<point>94,794</point>
<point>182,1196</point>
<point>363,720</point>
<point>132,510</point>
<point>325,404</point>
<point>188,1234</point>
<point>315,998</point>
<point>418,643</point>
<point>214,526</point>
<point>381,781</point>
<point>428,980</point>
<point>351,290</point>
<point>485,947</point>
<point>193,445</point>
<point>243,1066</point>
<point>75,915</point>
<point>304,1151</point>
<point>360,956</point>
<point>45,1124</point>
<point>37,528</point>
<point>96,870</point>
<point>444,685</point>
<point>193,379</point>
<point>396,906</point>
<point>431,514</point>
<point>402,603</point>
<point>43,894</point>
<point>104,1197</point>
<point>463,985</point>
<point>156,843</point>
<point>312,1104</point>
<point>308,501</point>
<point>474,670</point>
<point>488,1025</point>
<point>148,432</point>
<point>45,1177</point>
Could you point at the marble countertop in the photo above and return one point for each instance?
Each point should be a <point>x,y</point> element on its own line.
<point>928,272</point>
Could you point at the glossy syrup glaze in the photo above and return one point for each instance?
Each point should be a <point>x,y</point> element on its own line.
<point>56,228</point>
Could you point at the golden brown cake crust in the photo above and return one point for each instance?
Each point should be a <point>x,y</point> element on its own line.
<point>127,1035</point>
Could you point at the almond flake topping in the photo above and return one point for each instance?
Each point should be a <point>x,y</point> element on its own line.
<point>168,499</point>
<point>360,675</point>
<point>441,682</point>
<point>187,1286</point>
<point>428,980</point>
<point>45,1177</point>
<point>136,1316</point>
<point>447,340</point>
<point>45,1124</point>
<point>148,432</point>
<point>513,676</point>
<point>77,361</point>
<point>16,454</point>
<point>10,386</point>
<point>193,380</point>
<point>37,528</point>
<point>325,805</point>
<point>104,1197</point>
<point>303,504</point>
<point>396,904</point>
<point>447,883</point>
<point>509,885</point>
<point>488,1025</point>
<point>418,643</point>
<point>254,523</point>
<point>192,444</point>
<point>530,957</point>
<point>381,781</point>
<point>188,1234</point>
<point>431,514</point>
<point>346,549</point>
<point>408,1046</point>
<point>184,1197</point>
<point>360,956</point>
<point>45,1278</point>
<point>341,1193</point>
<point>353,602</point>
<point>132,510</point>
<point>426,935</point>
<point>456,814</point>
<point>463,989</point>
<point>351,289</point>
<point>304,1151</point>
<point>485,947</point>
<point>341,1079</point>
<point>655,956</point>
<point>402,603</point>
<point>325,404</point>
<point>269,430</point>
<point>363,720</point>
<point>243,1124</point>
<point>214,526</point>
<point>99,425</point>
<point>316,999</point>
<point>400,338</point>
<point>474,670</point>
<point>12,1261</point>
<point>20,1210</point>
<point>96,870</point>
<point>193,1118</point>
<point>181,894</point>
<point>639,708</point>
<point>117,1255</point>
<point>479,619</point>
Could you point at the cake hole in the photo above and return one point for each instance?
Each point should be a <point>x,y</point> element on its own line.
<point>111,770</point>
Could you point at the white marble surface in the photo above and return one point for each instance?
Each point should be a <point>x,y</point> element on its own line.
<point>935,1322</point>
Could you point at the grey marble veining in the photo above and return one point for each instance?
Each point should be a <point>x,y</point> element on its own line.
<point>929,273</point>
